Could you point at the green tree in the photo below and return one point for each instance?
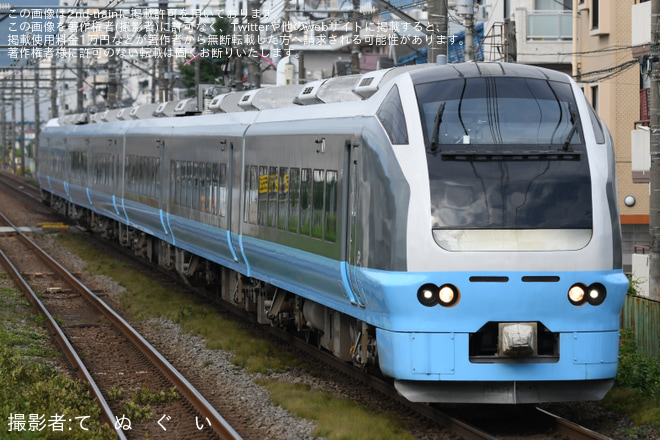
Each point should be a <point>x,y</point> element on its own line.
<point>210,68</point>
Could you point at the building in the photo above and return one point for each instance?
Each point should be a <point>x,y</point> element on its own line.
<point>609,76</point>
<point>537,32</point>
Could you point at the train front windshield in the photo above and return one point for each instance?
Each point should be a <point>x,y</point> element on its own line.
<point>507,164</point>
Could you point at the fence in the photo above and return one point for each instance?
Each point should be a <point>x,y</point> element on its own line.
<point>642,315</point>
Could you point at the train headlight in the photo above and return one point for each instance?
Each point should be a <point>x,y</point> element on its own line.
<point>577,294</point>
<point>596,294</point>
<point>427,295</point>
<point>448,295</point>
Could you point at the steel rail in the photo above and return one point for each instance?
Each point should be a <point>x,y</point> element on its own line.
<point>218,423</point>
<point>62,340</point>
<point>572,430</point>
<point>465,430</point>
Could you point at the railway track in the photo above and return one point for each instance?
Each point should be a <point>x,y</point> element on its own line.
<point>114,356</point>
<point>561,428</point>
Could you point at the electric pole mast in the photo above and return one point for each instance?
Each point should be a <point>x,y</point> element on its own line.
<point>437,10</point>
<point>466,9</point>
<point>654,110</point>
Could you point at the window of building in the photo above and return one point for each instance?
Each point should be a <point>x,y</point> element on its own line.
<point>594,14</point>
<point>553,5</point>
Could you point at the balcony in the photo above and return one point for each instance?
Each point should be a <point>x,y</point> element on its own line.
<point>550,26</point>
<point>544,37</point>
<point>641,29</point>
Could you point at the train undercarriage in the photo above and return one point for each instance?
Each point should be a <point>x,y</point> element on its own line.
<point>345,337</point>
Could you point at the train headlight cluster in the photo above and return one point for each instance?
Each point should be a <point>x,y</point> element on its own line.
<point>446,295</point>
<point>579,294</point>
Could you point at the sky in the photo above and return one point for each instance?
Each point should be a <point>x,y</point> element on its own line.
<point>15,27</point>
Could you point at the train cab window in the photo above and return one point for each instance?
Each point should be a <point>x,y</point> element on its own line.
<point>392,117</point>
<point>521,139</point>
<point>331,206</point>
<point>294,199</point>
<point>305,201</point>
<point>598,128</point>
<point>283,198</point>
<point>317,201</point>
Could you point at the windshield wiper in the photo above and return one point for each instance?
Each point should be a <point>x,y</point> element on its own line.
<point>436,129</point>
<point>574,121</point>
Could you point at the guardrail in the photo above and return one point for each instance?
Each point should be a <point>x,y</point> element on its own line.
<point>642,315</point>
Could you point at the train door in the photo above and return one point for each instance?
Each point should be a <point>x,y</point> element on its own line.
<point>233,200</point>
<point>354,228</point>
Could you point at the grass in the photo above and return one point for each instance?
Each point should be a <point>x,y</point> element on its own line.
<point>32,389</point>
<point>338,419</point>
<point>145,298</point>
<point>637,388</point>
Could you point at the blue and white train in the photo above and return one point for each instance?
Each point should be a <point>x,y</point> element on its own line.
<point>456,225</point>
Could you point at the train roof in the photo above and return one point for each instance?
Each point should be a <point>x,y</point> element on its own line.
<point>324,91</point>
<point>475,70</point>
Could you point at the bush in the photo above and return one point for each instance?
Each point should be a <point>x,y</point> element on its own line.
<point>637,371</point>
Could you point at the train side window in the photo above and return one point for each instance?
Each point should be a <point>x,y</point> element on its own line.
<point>201,170</point>
<point>283,198</point>
<point>128,179</point>
<point>216,206</point>
<point>294,199</point>
<point>195,186</point>
<point>262,211</point>
<point>156,177</point>
<point>305,201</point>
<point>210,201</point>
<point>188,184</point>
<point>331,206</point>
<point>252,196</point>
<point>155,166</point>
<point>178,184</point>
<point>392,117</point>
<point>317,201</point>
<point>272,197</point>
<point>224,194</point>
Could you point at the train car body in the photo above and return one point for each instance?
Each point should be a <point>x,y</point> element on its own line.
<point>457,226</point>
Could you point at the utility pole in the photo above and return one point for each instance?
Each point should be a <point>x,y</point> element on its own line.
<point>79,73</point>
<point>198,62</point>
<point>355,46</point>
<point>253,19</point>
<point>53,89</point>
<point>113,97</point>
<point>3,129</point>
<point>13,130</point>
<point>22,143</point>
<point>163,30</point>
<point>654,110</point>
<point>466,9</point>
<point>37,117</point>
<point>437,10</point>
